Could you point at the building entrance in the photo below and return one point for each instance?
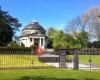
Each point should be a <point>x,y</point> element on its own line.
<point>36,41</point>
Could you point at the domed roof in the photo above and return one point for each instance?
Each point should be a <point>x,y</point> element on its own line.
<point>34,26</point>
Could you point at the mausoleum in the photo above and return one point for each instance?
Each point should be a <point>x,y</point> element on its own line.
<point>33,34</point>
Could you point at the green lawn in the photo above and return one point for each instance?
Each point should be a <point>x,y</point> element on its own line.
<point>19,61</point>
<point>84,59</point>
<point>49,74</point>
<point>44,74</point>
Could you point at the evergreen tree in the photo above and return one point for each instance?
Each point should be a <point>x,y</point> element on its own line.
<point>8,26</point>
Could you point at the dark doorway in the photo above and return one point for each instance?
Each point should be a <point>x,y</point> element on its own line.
<point>36,41</point>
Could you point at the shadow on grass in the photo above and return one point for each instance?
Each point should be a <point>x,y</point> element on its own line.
<point>41,78</point>
<point>90,79</point>
<point>50,78</point>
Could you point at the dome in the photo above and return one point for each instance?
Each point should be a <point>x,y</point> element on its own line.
<point>34,26</point>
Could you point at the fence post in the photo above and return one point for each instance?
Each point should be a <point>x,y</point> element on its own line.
<point>90,59</point>
<point>76,62</point>
<point>62,58</point>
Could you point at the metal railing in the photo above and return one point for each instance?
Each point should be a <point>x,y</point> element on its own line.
<point>15,58</point>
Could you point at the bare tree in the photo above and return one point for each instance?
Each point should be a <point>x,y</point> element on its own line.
<point>88,22</point>
<point>78,29</point>
<point>92,18</point>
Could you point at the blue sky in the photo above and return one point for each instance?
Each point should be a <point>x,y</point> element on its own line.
<point>49,13</point>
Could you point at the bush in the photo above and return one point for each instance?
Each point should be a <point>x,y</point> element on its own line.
<point>14,44</point>
<point>33,46</point>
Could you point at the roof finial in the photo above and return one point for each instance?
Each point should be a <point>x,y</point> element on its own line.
<point>34,21</point>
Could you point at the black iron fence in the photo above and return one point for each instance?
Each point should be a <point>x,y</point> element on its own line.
<point>15,50</point>
<point>22,58</point>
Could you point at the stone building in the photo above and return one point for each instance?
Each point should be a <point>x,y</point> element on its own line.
<point>33,34</point>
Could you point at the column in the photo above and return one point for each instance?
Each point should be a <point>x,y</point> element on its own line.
<point>40,43</point>
<point>33,41</point>
<point>43,42</point>
<point>26,42</point>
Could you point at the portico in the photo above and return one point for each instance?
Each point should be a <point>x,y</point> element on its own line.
<point>37,41</point>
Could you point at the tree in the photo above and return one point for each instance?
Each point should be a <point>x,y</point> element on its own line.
<point>78,29</point>
<point>8,27</point>
<point>87,24</point>
<point>59,39</point>
<point>96,44</point>
<point>92,18</point>
<point>51,32</point>
<point>83,38</point>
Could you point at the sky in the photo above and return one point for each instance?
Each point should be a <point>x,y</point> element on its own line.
<point>49,13</point>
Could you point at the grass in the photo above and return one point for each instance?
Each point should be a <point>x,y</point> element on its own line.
<point>44,74</point>
<point>84,59</point>
<point>49,74</point>
<point>19,61</point>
